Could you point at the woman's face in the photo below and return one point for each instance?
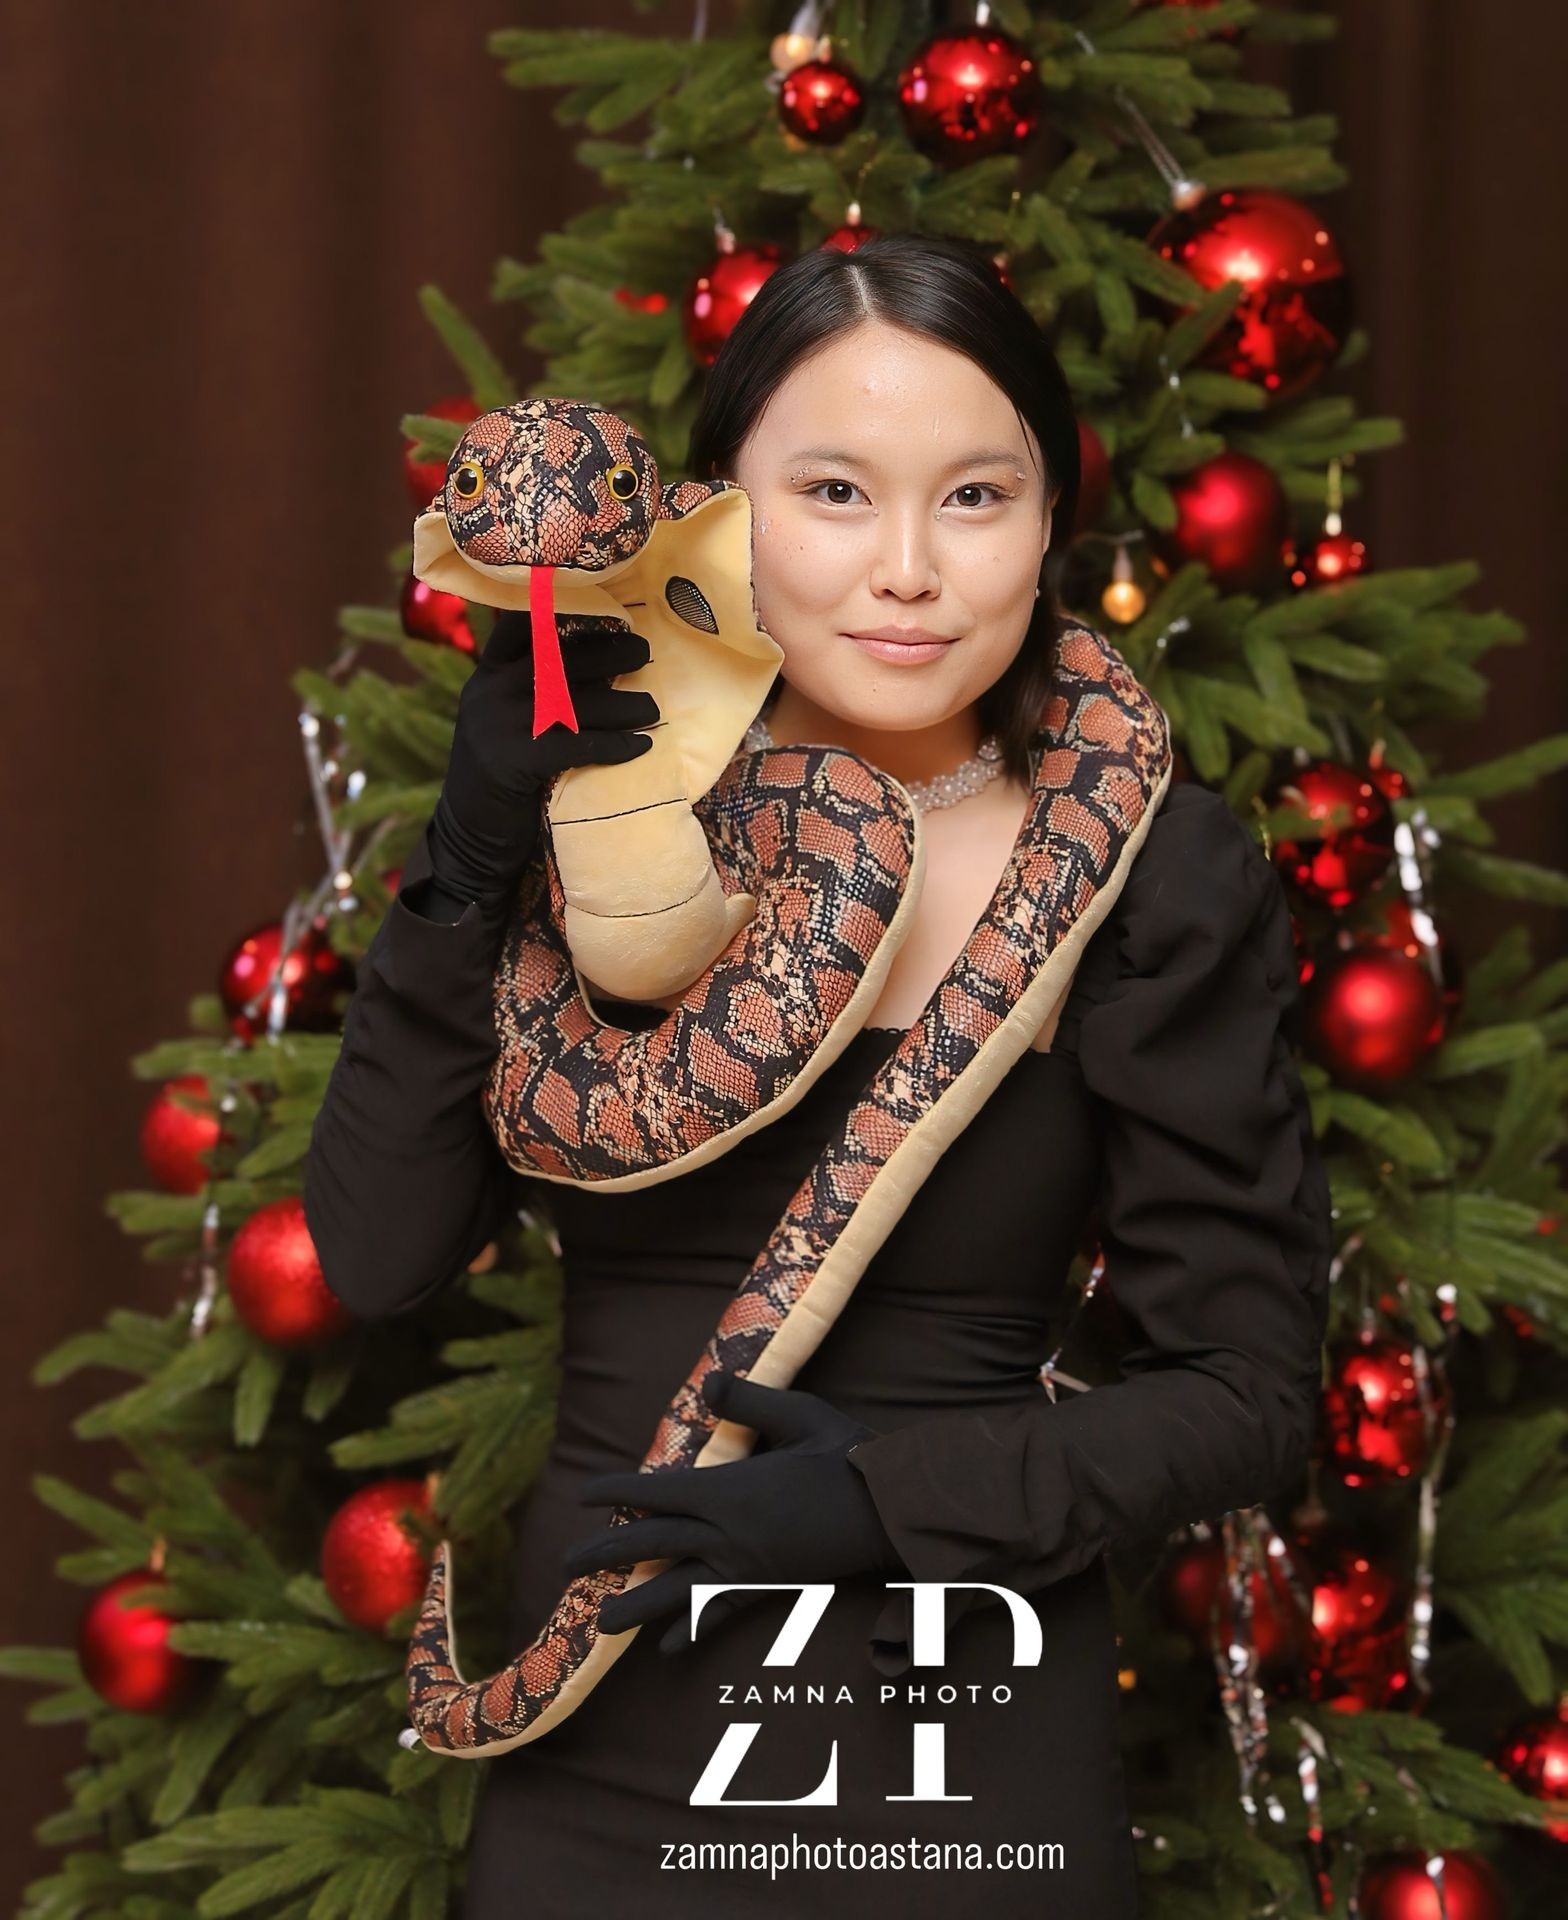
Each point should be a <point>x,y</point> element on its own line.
<point>893,485</point>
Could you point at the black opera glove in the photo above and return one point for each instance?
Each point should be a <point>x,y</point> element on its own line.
<point>489,813</point>
<point>796,1512</point>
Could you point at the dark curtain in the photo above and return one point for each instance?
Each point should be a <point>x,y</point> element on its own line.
<point>216,221</point>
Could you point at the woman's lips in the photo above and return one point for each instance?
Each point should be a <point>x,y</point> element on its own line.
<point>902,653</point>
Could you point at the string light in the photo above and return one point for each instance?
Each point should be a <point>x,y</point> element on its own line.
<point>1183,189</point>
<point>1123,599</point>
<point>802,42</point>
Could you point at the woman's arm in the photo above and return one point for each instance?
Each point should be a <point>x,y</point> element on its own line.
<point>1215,1219</point>
<point>404,1183</point>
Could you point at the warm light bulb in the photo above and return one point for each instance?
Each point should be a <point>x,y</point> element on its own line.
<point>791,50</point>
<point>1124,601</point>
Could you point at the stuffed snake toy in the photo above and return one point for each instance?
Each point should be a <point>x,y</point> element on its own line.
<point>765,893</point>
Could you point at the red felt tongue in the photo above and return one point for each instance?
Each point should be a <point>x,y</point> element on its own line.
<point>552,696</point>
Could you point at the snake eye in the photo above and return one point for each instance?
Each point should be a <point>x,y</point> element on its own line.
<point>468,480</point>
<point>622,481</point>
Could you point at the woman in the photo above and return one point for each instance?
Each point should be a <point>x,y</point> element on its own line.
<point>909,448</point>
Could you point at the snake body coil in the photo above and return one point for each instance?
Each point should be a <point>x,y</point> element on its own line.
<point>814,860</point>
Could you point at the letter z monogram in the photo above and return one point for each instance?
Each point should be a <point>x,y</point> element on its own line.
<point>928,1649</point>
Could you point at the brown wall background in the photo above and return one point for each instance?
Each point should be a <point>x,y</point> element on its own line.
<point>215,221</point>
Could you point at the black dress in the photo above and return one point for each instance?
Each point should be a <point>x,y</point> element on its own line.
<point>1168,1103</point>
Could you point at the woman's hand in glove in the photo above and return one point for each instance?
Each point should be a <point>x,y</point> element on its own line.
<point>485,827</point>
<point>795,1512</point>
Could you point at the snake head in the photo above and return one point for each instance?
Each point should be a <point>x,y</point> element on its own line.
<point>553,503</point>
<point>550,483</point>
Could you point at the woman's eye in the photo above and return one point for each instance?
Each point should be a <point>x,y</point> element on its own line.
<point>989,494</point>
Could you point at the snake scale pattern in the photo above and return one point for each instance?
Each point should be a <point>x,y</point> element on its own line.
<point>828,844</point>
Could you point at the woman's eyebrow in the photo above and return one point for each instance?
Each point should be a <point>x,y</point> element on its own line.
<point>975,457</point>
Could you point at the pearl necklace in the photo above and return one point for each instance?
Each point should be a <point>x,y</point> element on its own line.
<point>946,790</point>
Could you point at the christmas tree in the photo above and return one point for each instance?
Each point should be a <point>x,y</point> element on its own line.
<point>1360,1699</point>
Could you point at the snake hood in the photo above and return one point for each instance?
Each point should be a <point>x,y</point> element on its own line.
<point>556,505</point>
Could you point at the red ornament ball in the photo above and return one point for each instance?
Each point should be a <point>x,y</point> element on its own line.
<point>173,1137</point>
<point>373,1563</point>
<point>1094,477</point>
<point>642,302</point>
<point>426,478</point>
<point>1385,777</point>
<point>313,976</point>
<point>276,1282</point>
<point>1395,925</point>
<point>1534,1755</point>
<point>1293,318</point>
<point>1192,1585</point>
<point>965,95</point>
<point>1336,557</point>
<point>124,1651</point>
<point>1360,1656</point>
<point>847,238</point>
<point>1348,843</point>
<point>429,614</point>
<point>1397,1886</point>
<point>1190,1577</point>
<point>1373,1430</point>
<point>1232,515</point>
<point>821,101</point>
<point>1369,1674</point>
<point>720,296</point>
<point>1371,1017</point>
<point>1352,1595</point>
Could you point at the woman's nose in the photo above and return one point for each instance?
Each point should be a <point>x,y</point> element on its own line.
<point>906,561</point>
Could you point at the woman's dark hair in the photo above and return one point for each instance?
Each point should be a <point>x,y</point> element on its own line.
<point>951,292</point>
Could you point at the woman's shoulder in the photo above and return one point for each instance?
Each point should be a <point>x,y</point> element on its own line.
<point>1199,871</point>
<point>1200,900</point>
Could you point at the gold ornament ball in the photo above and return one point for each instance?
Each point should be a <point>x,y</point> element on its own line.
<point>1124,601</point>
